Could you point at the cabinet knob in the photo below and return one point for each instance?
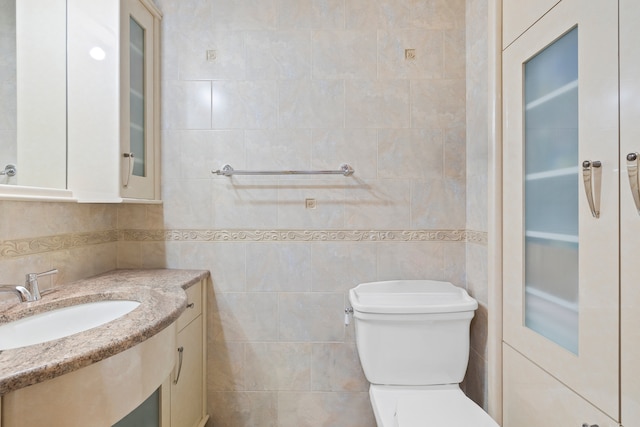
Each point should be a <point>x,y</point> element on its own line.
<point>191,305</point>
<point>589,425</point>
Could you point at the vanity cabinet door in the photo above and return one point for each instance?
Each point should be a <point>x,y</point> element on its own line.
<point>186,393</point>
<point>188,381</point>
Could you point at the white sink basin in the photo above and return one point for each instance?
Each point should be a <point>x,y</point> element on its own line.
<point>62,322</point>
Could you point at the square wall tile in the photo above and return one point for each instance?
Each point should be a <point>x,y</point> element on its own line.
<point>356,147</point>
<point>429,54</point>
<point>186,105</point>
<point>243,317</point>
<point>202,151</point>
<point>344,54</point>
<point>454,54</point>
<point>187,203</point>
<point>195,63</point>
<point>340,266</point>
<point>327,213</point>
<point>248,104</point>
<point>243,14</point>
<point>243,203</point>
<point>278,267</point>
<point>377,104</point>
<point>411,260</point>
<point>311,317</point>
<point>243,409</point>
<point>361,14</point>
<point>336,367</point>
<point>225,366</point>
<point>410,154</point>
<point>311,104</point>
<point>278,366</point>
<point>438,204</point>
<point>383,204</point>
<point>325,410</point>
<point>278,55</point>
<point>310,14</point>
<point>278,149</point>
<point>438,103</point>
<point>224,260</point>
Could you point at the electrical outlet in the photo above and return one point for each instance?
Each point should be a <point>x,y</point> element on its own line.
<point>212,55</point>
<point>410,54</point>
<point>310,203</point>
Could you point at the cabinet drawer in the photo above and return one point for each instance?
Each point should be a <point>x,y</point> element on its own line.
<point>194,305</point>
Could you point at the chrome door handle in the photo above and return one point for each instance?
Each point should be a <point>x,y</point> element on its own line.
<point>632,170</point>
<point>592,176</point>
<point>180,351</point>
<point>130,162</point>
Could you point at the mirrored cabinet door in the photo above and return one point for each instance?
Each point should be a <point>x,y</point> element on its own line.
<point>113,101</point>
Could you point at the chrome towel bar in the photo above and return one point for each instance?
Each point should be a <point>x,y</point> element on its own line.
<point>227,170</point>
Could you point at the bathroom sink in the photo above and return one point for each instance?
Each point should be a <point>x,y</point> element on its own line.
<point>61,322</point>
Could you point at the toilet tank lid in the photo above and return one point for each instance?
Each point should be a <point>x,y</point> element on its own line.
<point>410,296</point>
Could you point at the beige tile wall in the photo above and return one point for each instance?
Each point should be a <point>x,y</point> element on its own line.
<point>308,85</point>
<point>79,240</point>
<point>299,84</point>
<point>476,186</point>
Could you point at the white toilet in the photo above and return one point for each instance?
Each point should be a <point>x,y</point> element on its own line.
<point>413,341</point>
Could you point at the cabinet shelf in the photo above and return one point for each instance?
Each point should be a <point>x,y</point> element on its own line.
<point>556,237</point>
<point>136,49</point>
<point>562,90</point>
<point>136,94</point>
<point>554,173</point>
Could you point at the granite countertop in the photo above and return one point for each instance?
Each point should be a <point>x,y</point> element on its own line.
<point>162,297</point>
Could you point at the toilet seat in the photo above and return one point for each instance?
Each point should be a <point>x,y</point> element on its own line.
<point>431,406</point>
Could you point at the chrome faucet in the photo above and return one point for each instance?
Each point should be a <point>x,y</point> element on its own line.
<point>21,292</point>
<point>31,283</point>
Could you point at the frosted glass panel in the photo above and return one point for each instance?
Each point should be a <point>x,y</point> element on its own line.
<point>145,415</point>
<point>137,97</point>
<point>551,192</point>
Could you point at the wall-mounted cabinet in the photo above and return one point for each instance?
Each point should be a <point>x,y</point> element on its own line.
<point>113,101</point>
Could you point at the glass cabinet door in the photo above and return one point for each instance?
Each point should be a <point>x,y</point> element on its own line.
<point>560,262</point>
<point>137,93</point>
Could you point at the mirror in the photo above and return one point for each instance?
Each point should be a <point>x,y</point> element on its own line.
<point>33,116</point>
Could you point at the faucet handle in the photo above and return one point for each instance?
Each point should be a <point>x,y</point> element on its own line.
<point>32,282</point>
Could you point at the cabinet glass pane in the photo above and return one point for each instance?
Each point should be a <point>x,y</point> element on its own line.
<point>137,96</point>
<point>145,415</point>
<point>551,191</point>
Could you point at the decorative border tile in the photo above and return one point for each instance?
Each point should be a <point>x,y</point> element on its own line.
<point>36,245</point>
<point>305,235</point>
<point>21,247</point>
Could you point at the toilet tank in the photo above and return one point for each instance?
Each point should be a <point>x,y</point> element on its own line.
<point>412,332</point>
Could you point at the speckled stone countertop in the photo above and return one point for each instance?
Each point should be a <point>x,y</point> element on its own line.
<point>162,297</point>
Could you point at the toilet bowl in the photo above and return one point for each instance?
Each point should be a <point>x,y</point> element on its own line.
<point>438,406</point>
<point>413,341</point>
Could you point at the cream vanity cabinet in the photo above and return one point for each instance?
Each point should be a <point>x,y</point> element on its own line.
<point>188,381</point>
<point>113,100</point>
<point>562,188</point>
